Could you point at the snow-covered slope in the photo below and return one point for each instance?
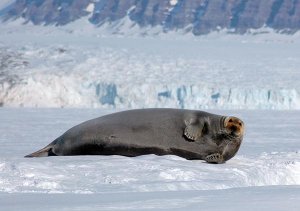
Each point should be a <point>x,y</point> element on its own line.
<point>264,175</point>
<point>87,69</point>
<point>196,17</point>
<point>5,3</point>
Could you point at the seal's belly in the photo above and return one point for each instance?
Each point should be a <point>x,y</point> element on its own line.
<point>147,134</point>
<point>141,139</point>
<point>121,138</point>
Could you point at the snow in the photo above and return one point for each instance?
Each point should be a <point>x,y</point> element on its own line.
<point>5,3</point>
<point>264,175</point>
<point>90,8</point>
<point>283,198</point>
<point>173,2</point>
<point>90,69</point>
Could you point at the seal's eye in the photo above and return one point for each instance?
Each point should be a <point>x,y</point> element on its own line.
<point>240,124</point>
<point>230,120</point>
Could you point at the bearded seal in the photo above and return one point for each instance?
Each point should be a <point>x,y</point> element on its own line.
<point>190,134</point>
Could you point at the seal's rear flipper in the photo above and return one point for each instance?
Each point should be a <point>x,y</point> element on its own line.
<point>45,152</point>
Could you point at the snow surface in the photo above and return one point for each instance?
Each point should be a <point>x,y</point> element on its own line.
<point>90,8</point>
<point>265,174</point>
<point>80,66</point>
<point>5,3</point>
<point>173,2</point>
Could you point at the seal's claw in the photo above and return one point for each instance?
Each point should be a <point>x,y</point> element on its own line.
<point>192,132</point>
<point>215,158</point>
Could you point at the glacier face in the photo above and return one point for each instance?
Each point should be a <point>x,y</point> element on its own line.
<point>67,92</point>
<point>122,72</point>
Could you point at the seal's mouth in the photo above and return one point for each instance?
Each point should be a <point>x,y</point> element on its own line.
<point>234,126</point>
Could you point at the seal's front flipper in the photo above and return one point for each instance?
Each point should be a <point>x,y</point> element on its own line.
<point>45,152</point>
<point>214,158</point>
<point>193,132</point>
<point>195,129</point>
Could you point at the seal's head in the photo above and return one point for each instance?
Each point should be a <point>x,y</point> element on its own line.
<point>234,126</point>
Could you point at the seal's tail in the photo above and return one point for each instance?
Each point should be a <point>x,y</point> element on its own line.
<point>46,151</point>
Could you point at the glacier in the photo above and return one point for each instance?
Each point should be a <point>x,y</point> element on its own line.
<point>67,92</point>
<point>89,71</point>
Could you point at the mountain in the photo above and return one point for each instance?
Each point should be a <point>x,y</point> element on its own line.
<point>196,16</point>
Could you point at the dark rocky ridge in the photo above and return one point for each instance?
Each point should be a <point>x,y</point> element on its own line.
<point>198,16</point>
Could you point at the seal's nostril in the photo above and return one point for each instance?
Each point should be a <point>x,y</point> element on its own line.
<point>233,128</point>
